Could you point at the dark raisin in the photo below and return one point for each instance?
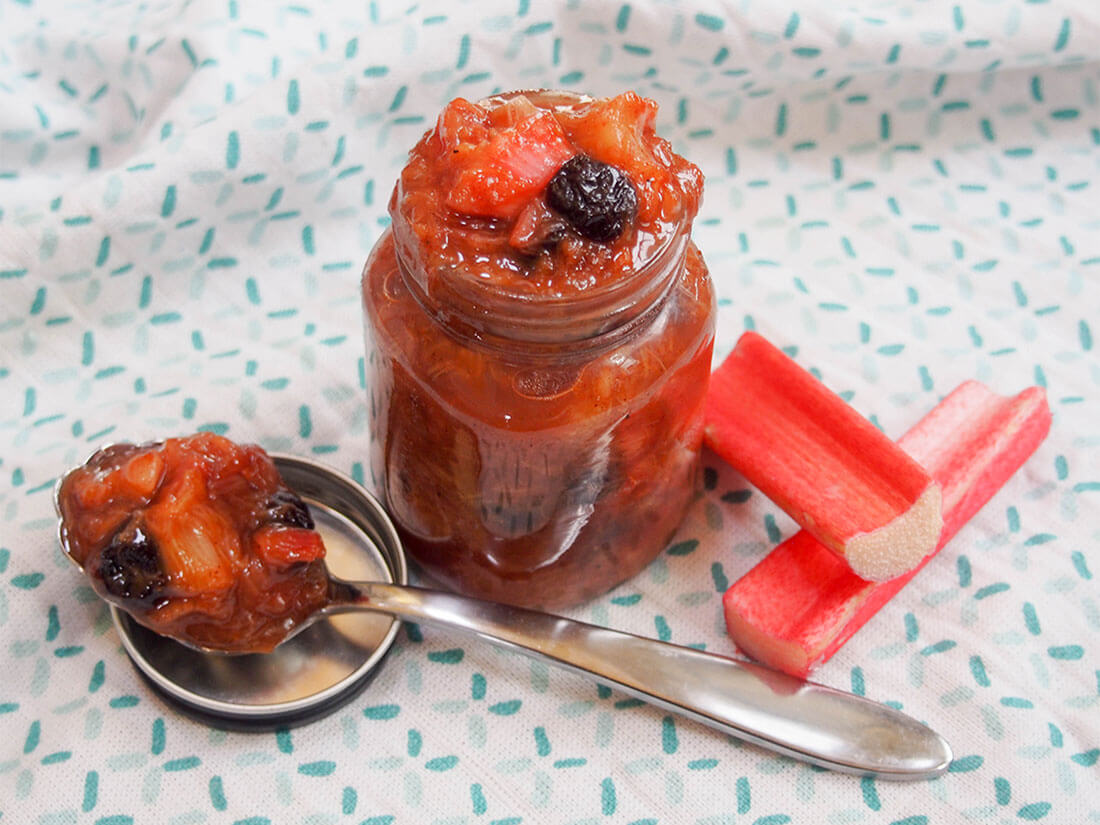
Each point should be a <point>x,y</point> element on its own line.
<point>130,565</point>
<point>597,199</point>
<point>284,507</point>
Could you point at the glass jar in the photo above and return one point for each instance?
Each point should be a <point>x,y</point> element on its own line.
<point>536,397</point>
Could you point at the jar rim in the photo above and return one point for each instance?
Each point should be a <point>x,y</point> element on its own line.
<point>493,311</point>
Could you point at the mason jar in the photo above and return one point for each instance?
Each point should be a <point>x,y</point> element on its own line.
<point>536,386</point>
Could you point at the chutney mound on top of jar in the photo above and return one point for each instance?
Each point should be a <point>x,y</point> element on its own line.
<point>476,201</point>
<point>198,538</point>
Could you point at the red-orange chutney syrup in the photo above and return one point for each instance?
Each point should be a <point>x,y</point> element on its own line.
<point>539,345</point>
<point>198,538</point>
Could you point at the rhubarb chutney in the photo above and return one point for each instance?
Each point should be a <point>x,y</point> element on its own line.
<point>539,330</point>
<point>197,538</point>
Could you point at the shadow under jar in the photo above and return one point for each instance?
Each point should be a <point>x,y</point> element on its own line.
<point>539,346</point>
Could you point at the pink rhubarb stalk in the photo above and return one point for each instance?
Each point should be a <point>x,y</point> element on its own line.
<point>796,608</point>
<point>828,467</point>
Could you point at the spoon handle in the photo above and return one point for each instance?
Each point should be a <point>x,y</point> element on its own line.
<point>803,720</point>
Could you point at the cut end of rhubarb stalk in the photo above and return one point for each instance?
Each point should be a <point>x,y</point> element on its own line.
<point>778,653</point>
<point>824,464</point>
<point>900,545</point>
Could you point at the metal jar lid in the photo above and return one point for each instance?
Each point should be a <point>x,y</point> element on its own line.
<point>321,668</point>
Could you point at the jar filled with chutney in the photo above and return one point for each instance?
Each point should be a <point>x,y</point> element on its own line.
<point>539,332</point>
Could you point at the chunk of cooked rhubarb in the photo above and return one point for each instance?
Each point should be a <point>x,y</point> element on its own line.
<point>614,131</point>
<point>801,603</point>
<point>827,466</point>
<point>499,175</point>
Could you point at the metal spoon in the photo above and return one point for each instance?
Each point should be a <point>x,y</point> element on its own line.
<point>804,720</point>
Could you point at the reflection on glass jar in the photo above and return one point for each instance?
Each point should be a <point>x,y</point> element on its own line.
<point>536,395</point>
